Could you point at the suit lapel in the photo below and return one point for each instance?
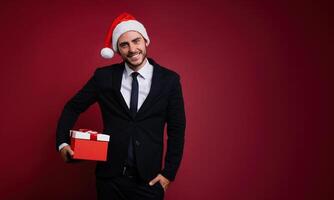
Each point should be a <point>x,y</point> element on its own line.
<point>155,88</point>
<point>117,82</point>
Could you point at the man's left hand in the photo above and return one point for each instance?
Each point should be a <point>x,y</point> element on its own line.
<point>162,180</point>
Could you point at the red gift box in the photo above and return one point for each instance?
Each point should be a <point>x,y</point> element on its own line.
<point>89,145</point>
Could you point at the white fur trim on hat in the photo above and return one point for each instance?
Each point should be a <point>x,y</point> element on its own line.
<point>125,26</point>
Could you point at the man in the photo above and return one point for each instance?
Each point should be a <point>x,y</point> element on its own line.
<point>137,97</point>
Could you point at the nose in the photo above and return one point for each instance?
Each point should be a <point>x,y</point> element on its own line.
<point>132,48</point>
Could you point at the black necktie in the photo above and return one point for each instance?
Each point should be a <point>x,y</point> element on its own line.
<point>133,110</point>
<point>134,94</point>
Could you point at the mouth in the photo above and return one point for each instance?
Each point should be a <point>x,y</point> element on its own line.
<point>134,56</point>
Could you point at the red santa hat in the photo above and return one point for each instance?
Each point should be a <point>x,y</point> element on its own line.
<point>123,23</point>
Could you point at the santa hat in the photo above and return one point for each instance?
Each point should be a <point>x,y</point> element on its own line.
<point>123,23</point>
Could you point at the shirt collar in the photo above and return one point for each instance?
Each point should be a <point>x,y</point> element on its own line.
<point>144,72</point>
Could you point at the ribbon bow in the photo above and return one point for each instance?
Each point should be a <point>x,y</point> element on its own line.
<point>92,134</point>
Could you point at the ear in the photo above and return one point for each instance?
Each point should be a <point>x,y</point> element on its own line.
<point>146,45</point>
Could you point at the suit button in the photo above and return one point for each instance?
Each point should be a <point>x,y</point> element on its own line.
<point>137,143</point>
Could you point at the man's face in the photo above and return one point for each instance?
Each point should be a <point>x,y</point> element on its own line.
<point>132,48</point>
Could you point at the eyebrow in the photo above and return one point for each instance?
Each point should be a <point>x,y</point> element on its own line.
<point>125,42</point>
<point>136,39</point>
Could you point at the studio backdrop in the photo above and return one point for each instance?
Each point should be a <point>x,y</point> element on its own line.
<point>256,81</point>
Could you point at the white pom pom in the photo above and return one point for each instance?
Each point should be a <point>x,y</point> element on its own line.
<point>107,53</point>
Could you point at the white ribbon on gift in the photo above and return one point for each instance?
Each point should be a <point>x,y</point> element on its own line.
<point>87,135</point>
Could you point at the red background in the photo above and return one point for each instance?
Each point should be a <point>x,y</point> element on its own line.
<point>256,82</point>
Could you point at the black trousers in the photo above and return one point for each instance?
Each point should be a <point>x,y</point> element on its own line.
<point>127,187</point>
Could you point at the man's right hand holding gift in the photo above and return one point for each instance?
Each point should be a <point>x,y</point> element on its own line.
<point>66,153</point>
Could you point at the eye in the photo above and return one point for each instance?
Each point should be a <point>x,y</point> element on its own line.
<point>136,40</point>
<point>123,45</point>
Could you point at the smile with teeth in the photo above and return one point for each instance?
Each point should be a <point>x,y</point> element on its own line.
<point>134,55</point>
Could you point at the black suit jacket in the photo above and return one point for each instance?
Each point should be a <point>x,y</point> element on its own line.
<point>163,105</point>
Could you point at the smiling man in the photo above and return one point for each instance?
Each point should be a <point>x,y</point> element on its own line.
<point>137,98</point>
<point>132,48</point>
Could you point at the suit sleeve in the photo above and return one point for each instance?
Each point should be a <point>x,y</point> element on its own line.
<point>73,108</point>
<point>176,123</point>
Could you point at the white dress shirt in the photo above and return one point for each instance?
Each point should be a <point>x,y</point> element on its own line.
<point>144,83</point>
